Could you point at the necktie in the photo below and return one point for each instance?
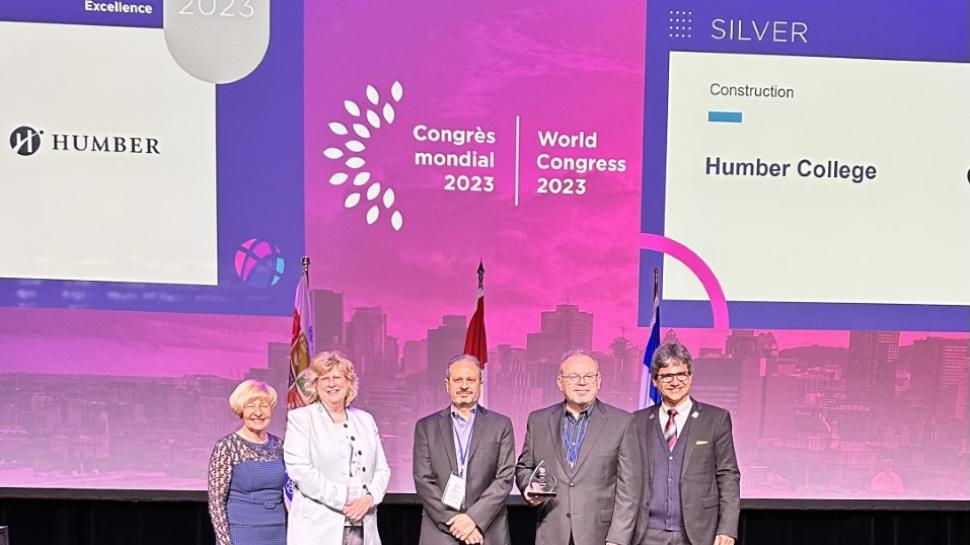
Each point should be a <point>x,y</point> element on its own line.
<point>670,430</point>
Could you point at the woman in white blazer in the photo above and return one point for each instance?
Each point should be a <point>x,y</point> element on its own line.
<point>334,457</point>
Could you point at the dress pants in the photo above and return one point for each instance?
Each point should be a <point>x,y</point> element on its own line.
<point>663,537</point>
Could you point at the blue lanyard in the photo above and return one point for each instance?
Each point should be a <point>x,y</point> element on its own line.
<point>573,447</point>
<point>463,449</point>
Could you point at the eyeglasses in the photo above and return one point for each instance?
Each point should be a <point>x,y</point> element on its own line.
<point>667,378</point>
<point>339,379</point>
<point>252,406</point>
<point>575,379</point>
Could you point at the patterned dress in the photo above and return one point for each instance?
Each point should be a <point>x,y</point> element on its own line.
<point>246,491</point>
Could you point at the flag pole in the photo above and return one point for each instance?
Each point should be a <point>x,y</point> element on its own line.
<point>653,341</point>
<point>481,293</point>
<point>301,343</point>
<point>481,276</point>
<point>301,353</point>
<point>475,342</point>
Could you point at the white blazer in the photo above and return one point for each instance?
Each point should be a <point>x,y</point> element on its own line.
<point>317,458</point>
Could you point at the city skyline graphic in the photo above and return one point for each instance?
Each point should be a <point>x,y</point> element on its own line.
<point>858,415</point>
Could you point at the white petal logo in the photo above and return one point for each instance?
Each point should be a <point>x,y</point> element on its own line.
<point>365,119</point>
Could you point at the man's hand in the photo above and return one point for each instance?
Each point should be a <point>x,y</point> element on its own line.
<point>533,500</point>
<point>462,527</point>
<point>721,539</point>
<point>476,538</point>
<point>356,509</point>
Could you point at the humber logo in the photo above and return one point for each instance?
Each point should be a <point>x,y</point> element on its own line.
<point>25,140</point>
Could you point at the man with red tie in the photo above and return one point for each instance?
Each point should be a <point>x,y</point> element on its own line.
<point>689,482</point>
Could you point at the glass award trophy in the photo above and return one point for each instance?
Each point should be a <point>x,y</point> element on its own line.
<point>542,484</point>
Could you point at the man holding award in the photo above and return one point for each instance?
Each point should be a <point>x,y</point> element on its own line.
<point>572,454</point>
<point>464,463</point>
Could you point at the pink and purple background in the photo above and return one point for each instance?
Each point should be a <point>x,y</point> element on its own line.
<point>134,400</point>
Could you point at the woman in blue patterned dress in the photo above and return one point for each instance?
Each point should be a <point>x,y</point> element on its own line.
<point>246,473</point>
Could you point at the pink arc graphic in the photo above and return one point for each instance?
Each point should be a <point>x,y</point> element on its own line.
<point>701,270</point>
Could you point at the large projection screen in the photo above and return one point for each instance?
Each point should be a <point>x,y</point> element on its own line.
<point>796,174</point>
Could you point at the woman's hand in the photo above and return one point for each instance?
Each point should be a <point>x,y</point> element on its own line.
<point>356,509</point>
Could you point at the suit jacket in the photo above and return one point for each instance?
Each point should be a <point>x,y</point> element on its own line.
<point>318,468</point>
<point>586,496</point>
<point>488,475</point>
<point>710,482</point>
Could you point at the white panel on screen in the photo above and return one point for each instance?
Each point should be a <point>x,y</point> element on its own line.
<point>899,237</point>
<point>683,276</point>
<point>135,199</point>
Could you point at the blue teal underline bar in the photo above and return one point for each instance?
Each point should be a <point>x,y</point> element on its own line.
<point>724,117</point>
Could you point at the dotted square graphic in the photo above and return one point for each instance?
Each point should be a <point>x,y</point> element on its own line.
<point>680,24</point>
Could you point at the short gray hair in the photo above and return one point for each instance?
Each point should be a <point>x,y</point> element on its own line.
<point>462,357</point>
<point>670,353</point>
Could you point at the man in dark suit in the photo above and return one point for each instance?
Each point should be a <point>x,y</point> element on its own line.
<point>689,491</point>
<point>464,464</point>
<point>578,442</point>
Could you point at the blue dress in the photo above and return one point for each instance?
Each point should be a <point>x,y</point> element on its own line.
<point>246,492</point>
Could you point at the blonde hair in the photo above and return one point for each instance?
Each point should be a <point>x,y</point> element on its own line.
<point>322,364</point>
<point>249,390</point>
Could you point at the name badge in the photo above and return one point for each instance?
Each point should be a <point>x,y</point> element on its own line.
<point>454,495</point>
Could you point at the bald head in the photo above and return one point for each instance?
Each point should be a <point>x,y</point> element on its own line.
<point>576,359</point>
<point>464,360</point>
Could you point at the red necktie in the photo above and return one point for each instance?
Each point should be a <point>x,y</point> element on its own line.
<point>670,430</point>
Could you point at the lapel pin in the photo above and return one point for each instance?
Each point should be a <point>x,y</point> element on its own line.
<point>695,415</point>
<point>650,417</point>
